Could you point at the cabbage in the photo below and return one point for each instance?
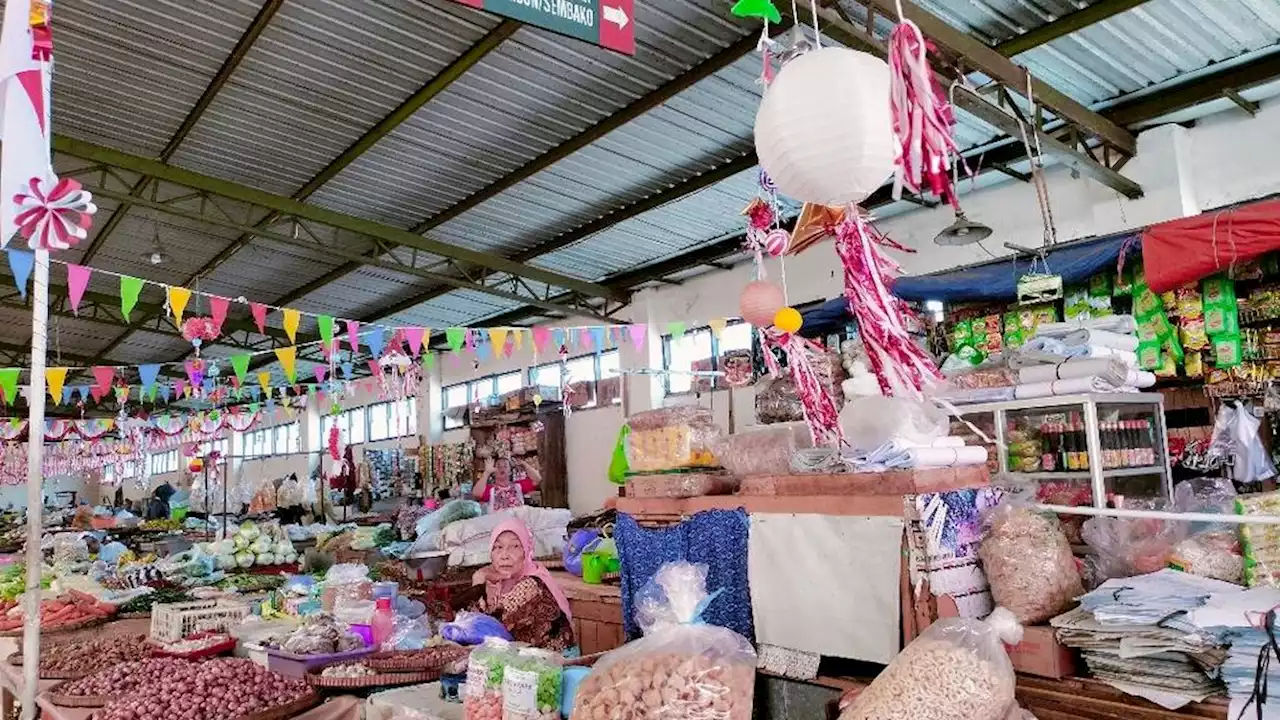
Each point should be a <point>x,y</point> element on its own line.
<point>227,547</point>
<point>290,558</point>
<point>261,545</point>
<point>226,562</point>
<point>240,542</point>
<point>244,559</point>
<point>250,531</point>
<point>265,559</point>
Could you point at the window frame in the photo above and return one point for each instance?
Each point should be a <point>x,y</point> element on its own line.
<point>716,354</point>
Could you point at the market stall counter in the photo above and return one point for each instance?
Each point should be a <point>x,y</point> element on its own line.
<point>597,613</point>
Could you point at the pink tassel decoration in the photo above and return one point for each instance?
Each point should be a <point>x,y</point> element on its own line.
<point>900,364</point>
<point>820,411</point>
<point>923,120</point>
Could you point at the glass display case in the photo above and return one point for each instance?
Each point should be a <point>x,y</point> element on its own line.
<point>1081,449</point>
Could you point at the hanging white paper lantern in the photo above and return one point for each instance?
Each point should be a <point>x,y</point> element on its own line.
<point>823,131</point>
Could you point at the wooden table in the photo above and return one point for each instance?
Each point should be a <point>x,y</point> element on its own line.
<point>597,613</point>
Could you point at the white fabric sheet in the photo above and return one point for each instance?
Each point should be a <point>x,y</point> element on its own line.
<point>1113,369</point>
<point>1113,323</point>
<point>1134,380</point>
<point>827,584</point>
<point>1102,339</point>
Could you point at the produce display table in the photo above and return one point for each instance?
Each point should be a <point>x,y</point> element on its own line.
<point>597,613</point>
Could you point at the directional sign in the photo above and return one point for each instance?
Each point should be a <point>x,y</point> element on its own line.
<point>607,23</point>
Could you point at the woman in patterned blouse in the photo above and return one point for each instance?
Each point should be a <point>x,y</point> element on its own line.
<point>520,592</point>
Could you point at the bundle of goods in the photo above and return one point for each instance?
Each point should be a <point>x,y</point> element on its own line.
<point>957,668</point>
<point>899,454</point>
<point>531,683</point>
<point>252,584</point>
<point>680,484</point>
<point>199,645</point>
<point>251,546</point>
<point>222,689</point>
<point>681,669</point>
<point>671,438</point>
<point>69,611</point>
<point>762,450</point>
<point>1028,563</point>
<point>319,634</point>
<point>431,658</point>
<point>778,401</point>
<point>482,698</point>
<point>141,604</point>
<point>468,541</point>
<point>1216,555</point>
<point>1123,547</point>
<point>77,658</point>
<point>1092,300</point>
<point>160,525</point>
<point>1260,543</point>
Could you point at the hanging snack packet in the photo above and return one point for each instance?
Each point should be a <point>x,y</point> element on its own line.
<point>1219,320</point>
<point>1218,291</point>
<point>1227,351</point>
<point>961,334</point>
<point>1146,303</point>
<point>1149,355</point>
<point>1100,284</point>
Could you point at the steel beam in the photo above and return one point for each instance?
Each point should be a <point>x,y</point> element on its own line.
<point>1195,92</point>
<point>238,53</point>
<point>287,206</point>
<point>999,68</point>
<point>1065,25</point>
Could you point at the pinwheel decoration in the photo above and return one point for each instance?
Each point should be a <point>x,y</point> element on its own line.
<point>54,218</point>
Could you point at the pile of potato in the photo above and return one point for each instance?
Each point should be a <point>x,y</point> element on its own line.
<point>669,685</point>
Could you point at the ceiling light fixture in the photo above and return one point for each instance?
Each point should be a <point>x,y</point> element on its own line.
<point>962,231</point>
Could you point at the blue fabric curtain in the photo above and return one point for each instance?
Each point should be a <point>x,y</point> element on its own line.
<point>716,538</point>
<point>997,280</point>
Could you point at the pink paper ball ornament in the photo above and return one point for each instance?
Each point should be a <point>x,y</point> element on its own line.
<point>760,301</point>
<point>776,242</point>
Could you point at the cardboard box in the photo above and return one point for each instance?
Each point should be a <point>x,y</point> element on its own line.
<point>1041,654</point>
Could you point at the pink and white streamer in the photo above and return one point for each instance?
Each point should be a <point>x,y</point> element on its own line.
<point>923,120</point>
<point>820,411</point>
<point>900,364</point>
<point>54,218</point>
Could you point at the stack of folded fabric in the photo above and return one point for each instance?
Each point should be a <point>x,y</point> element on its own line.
<point>1138,635</point>
<point>1053,343</point>
<point>942,452</point>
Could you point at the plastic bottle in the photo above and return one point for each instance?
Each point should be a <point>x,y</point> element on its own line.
<point>383,617</point>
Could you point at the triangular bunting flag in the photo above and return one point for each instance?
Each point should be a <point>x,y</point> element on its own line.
<point>429,360</point>
<point>541,336</point>
<point>66,395</point>
<point>414,336</point>
<point>558,338</point>
<point>347,369</point>
<point>178,299</point>
<point>455,336</point>
<point>717,325</point>
<point>291,318</point>
<point>483,352</point>
<point>255,392</point>
<point>325,324</point>
<point>637,333</point>
<point>104,375</point>
<point>264,381</point>
<point>376,340</point>
<point>470,341</point>
<point>375,368</point>
<point>259,312</point>
<point>77,281</point>
<point>9,376</point>
<point>96,393</point>
<point>240,363</point>
<point>164,391</point>
<point>20,264</point>
<point>320,371</point>
<point>597,337</point>
<point>151,396</point>
<point>179,387</point>
<point>148,374</point>
<point>353,334</point>
<point>498,336</point>
<point>288,357</point>
<point>54,377</point>
<point>83,392</point>
<point>218,310</point>
<point>130,288</point>
<point>675,329</point>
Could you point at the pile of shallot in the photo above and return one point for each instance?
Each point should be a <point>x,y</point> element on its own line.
<point>169,689</point>
<point>88,655</point>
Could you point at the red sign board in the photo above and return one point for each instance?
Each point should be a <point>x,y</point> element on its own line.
<point>607,23</point>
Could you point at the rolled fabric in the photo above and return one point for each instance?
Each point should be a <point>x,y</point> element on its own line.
<point>1093,351</point>
<point>1113,369</point>
<point>1123,324</point>
<point>1070,386</point>
<point>1102,338</point>
<point>948,441</point>
<point>946,456</point>
<point>977,395</point>
<point>1139,378</point>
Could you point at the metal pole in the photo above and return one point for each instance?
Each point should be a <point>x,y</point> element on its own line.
<point>1162,515</point>
<point>35,481</point>
<point>1093,443</point>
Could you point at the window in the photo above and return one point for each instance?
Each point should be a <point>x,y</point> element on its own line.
<point>222,447</point>
<point>935,308</point>
<point>286,439</point>
<point>545,375</point>
<point>393,419</point>
<point>379,422</point>
<point>698,349</point>
<point>351,425</point>
<point>508,382</point>
<point>128,470</point>
<point>162,462</point>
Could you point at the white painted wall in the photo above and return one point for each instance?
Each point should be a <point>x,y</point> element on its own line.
<point>1226,158</point>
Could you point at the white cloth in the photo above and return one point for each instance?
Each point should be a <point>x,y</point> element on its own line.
<point>1113,369</point>
<point>1102,339</point>
<point>904,454</point>
<point>468,540</point>
<point>849,569</point>
<point>1134,379</point>
<point>1124,324</point>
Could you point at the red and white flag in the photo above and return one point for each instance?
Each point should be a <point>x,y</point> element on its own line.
<point>24,109</point>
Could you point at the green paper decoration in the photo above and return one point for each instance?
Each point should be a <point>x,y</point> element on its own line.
<point>763,9</point>
<point>675,329</point>
<point>455,337</point>
<point>241,365</point>
<point>325,324</point>
<point>9,381</point>
<point>130,287</point>
<point>428,360</point>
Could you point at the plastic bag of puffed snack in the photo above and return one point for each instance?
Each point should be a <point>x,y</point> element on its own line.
<point>1028,563</point>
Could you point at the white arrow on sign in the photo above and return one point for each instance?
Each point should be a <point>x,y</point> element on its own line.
<point>616,15</point>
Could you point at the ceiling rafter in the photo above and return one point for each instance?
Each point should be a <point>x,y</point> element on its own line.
<point>381,129</point>
<point>1065,25</point>
<point>238,53</point>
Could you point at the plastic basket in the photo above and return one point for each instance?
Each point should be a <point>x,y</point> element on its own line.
<point>226,645</point>
<point>299,665</point>
<point>170,622</point>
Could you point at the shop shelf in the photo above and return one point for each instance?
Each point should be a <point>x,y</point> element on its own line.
<point>1086,474</point>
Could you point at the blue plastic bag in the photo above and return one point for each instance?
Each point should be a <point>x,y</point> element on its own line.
<point>470,628</point>
<point>572,554</point>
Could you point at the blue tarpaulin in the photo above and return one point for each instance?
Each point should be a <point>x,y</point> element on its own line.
<point>997,280</point>
<point>829,317</point>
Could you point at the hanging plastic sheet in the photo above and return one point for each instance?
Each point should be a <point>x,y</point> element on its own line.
<point>1181,251</point>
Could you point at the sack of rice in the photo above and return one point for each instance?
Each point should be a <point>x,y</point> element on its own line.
<point>1029,564</point>
<point>958,668</point>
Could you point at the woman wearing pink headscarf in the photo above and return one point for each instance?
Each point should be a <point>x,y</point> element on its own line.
<point>520,592</point>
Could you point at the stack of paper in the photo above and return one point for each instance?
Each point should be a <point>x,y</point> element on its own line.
<point>1137,634</point>
<point>1239,618</point>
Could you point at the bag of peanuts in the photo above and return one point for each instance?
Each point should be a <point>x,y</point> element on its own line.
<point>958,668</point>
<point>1028,563</point>
<point>681,669</point>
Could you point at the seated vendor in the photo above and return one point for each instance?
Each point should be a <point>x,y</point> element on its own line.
<point>520,593</point>
<point>499,489</point>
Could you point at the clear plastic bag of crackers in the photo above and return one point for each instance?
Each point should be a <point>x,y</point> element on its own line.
<point>1028,563</point>
<point>681,669</point>
<point>958,668</point>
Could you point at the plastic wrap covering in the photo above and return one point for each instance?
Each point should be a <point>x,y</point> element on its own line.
<point>1214,554</point>
<point>681,485</point>
<point>289,494</point>
<point>264,497</point>
<point>1235,436</point>
<point>1206,495</point>
<point>1260,543</point>
<point>482,696</point>
<point>671,438</point>
<point>987,377</point>
<point>957,668</point>
<point>681,669</point>
<point>777,401</point>
<point>1124,547</point>
<point>470,628</point>
<point>763,450</point>
<point>1029,564</point>
<point>531,686</point>
<point>871,422</point>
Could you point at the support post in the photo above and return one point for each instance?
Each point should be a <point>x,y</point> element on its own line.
<point>35,484</point>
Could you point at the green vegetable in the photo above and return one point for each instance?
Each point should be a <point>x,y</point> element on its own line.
<point>160,596</point>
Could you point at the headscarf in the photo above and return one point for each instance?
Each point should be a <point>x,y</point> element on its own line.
<point>531,568</point>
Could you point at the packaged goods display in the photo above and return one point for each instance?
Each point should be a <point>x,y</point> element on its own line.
<point>482,695</point>
<point>680,669</point>
<point>762,450</point>
<point>1028,563</point>
<point>671,438</point>
<point>958,668</point>
<point>777,401</point>
<point>1214,555</point>
<point>1260,543</point>
<point>531,686</point>
<point>681,484</point>
<point>1124,547</point>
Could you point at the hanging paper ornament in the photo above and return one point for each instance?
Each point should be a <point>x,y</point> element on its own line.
<point>788,320</point>
<point>823,131</point>
<point>38,19</point>
<point>819,407</point>
<point>766,183</point>
<point>922,118</point>
<point>762,9</point>
<point>196,465</point>
<point>212,370</point>
<point>760,301</point>
<point>54,214</point>
<point>537,399</point>
<point>776,242</point>
<point>759,214</point>
<point>816,223</point>
<point>199,330</point>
